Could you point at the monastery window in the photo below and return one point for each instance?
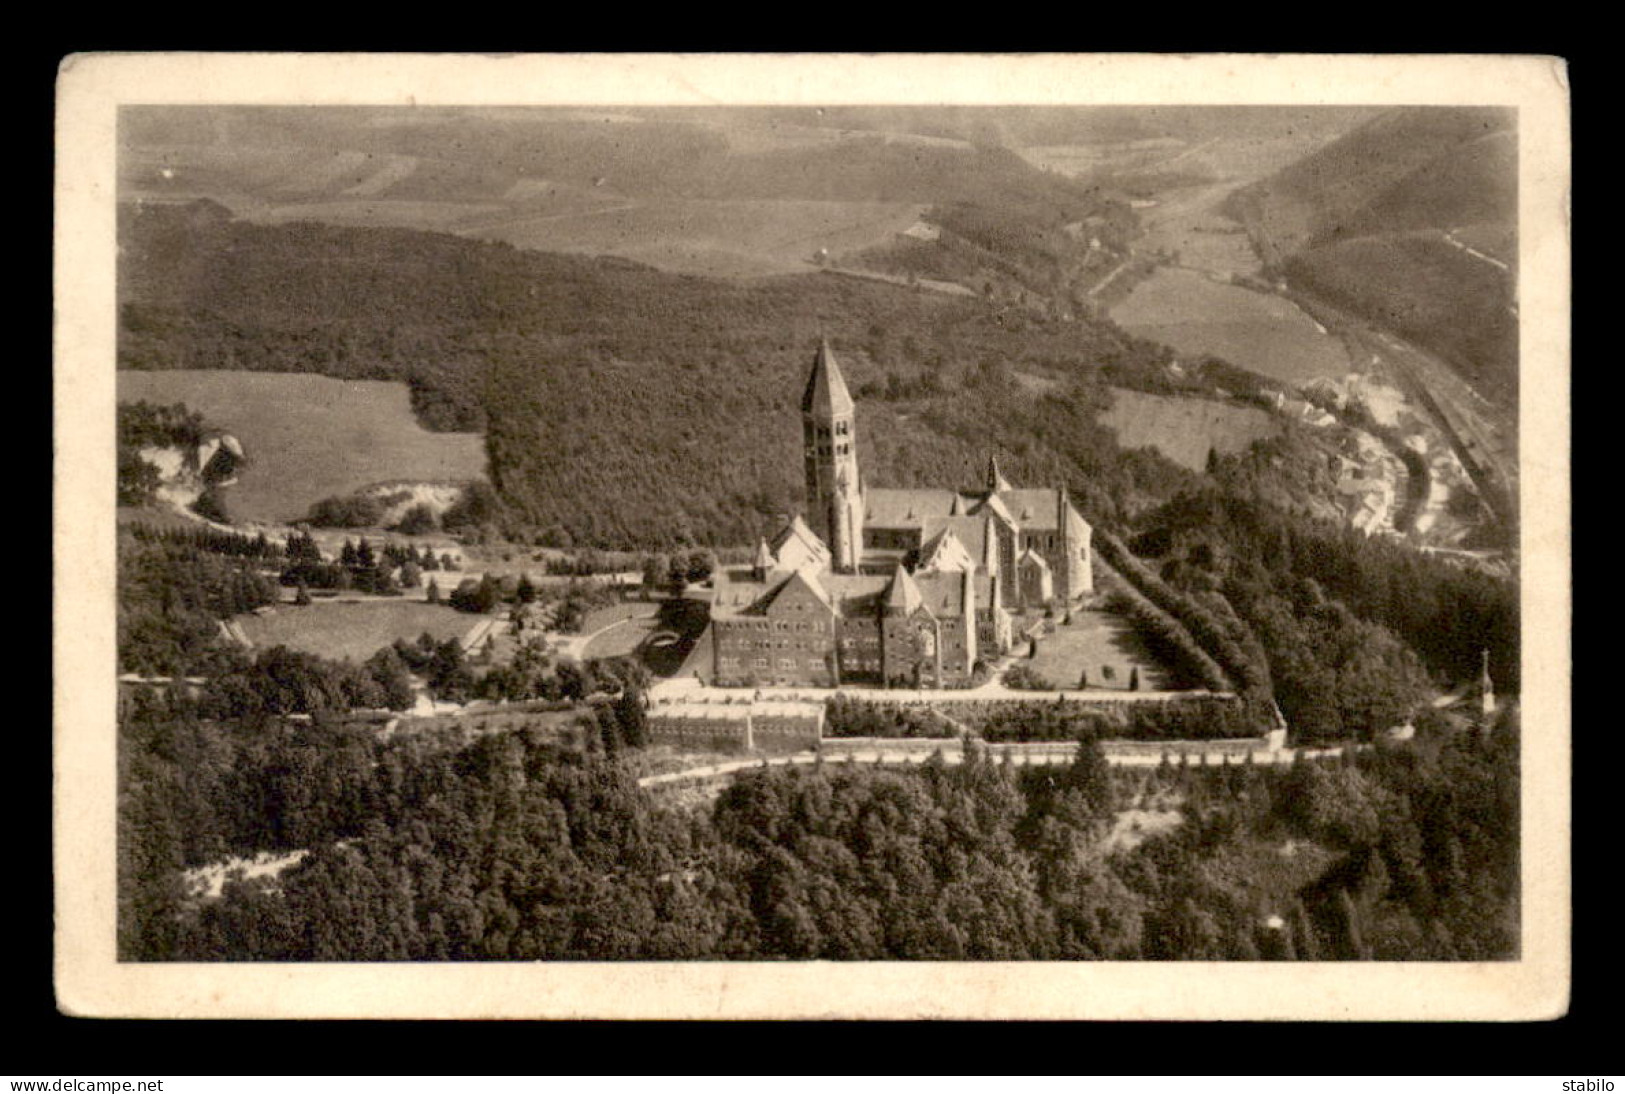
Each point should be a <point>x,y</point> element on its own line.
<point>842,427</point>
<point>761,662</point>
<point>787,662</point>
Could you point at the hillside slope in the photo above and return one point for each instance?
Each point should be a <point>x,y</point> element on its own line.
<point>1408,169</point>
<point>624,406</point>
<point>1410,221</point>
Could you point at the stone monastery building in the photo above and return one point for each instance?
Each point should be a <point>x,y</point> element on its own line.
<point>895,587</point>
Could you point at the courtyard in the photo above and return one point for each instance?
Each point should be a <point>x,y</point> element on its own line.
<point>1101,644</point>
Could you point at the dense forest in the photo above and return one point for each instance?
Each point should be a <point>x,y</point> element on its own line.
<point>172,594</point>
<point>552,355</point>
<point>511,848</point>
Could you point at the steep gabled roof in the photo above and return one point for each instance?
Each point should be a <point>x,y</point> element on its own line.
<point>826,389</point>
<point>800,582</point>
<point>797,545</point>
<point>992,504</point>
<point>952,543</point>
<point>1032,559</point>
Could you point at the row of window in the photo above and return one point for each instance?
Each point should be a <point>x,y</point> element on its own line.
<point>785,664</point>
<point>813,625</point>
<point>774,644</point>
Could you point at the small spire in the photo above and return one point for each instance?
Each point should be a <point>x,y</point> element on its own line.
<point>996,482</point>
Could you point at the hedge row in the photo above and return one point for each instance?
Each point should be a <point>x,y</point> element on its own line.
<point>1193,719</point>
<point>1224,642</point>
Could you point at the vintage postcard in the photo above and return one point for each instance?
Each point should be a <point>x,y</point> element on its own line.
<point>796,536</point>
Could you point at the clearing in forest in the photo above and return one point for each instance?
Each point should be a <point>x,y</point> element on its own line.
<point>1185,430</point>
<point>311,437</point>
<point>354,629</point>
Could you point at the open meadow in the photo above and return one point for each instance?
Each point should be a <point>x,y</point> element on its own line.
<point>1186,430</point>
<point>1198,315</point>
<point>744,238</point>
<point>354,629</point>
<point>311,437</point>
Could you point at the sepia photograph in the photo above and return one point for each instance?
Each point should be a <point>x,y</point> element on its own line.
<point>997,548</point>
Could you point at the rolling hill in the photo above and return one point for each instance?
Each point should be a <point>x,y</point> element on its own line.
<point>1409,221</point>
<point>737,193</point>
<point>625,406</point>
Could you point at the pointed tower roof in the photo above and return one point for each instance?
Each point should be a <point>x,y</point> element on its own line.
<point>764,557</point>
<point>958,509</point>
<point>826,389</point>
<point>903,596</point>
<point>996,482</point>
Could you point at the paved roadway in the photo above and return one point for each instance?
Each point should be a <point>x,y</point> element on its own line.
<point>912,753</point>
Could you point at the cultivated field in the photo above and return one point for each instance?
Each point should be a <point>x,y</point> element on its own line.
<point>1198,315</point>
<point>1187,222</point>
<point>1185,430</point>
<point>311,437</point>
<point>540,196</point>
<point>744,238</point>
<point>1093,642</point>
<point>354,629</point>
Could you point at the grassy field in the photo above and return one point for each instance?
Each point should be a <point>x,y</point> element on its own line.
<point>744,238</point>
<point>1266,334</point>
<point>356,630</point>
<point>1185,430</point>
<point>311,437</point>
<point>621,630</point>
<point>1092,642</point>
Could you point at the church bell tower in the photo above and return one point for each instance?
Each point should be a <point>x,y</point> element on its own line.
<point>829,443</point>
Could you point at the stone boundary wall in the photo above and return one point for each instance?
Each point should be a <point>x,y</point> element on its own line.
<point>981,699</point>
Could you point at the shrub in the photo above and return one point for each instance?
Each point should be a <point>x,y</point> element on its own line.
<point>1025,678</point>
<point>417,521</point>
<point>355,511</point>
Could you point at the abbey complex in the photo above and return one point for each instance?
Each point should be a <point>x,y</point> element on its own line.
<point>885,586</point>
